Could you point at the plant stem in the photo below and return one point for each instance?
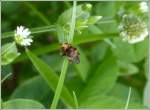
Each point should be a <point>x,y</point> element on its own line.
<point>7,76</point>
<point>60,84</point>
<point>3,52</point>
<point>65,63</point>
<point>73,22</point>
<point>43,29</point>
<point>107,21</point>
<point>33,31</point>
<point>75,100</point>
<point>128,99</point>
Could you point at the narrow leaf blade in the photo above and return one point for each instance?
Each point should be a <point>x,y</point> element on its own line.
<point>51,78</point>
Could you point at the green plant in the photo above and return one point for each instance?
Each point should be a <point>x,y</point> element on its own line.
<point>108,64</point>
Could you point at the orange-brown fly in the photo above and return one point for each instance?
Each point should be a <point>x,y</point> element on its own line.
<point>71,52</point>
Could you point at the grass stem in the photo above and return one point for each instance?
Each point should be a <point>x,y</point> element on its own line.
<point>128,99</point>
<point>65,63</point>
<point>73,22</point>
<point>7,76</point>
<point>33,31</point>
<point>75,100</point>
<point>60,84</point>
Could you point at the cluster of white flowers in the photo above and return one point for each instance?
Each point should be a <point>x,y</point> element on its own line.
<point>144,6</point>
<point>22,36</point>
<point>133,29</point>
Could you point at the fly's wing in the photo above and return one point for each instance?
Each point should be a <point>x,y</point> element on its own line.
<point>76,60</point>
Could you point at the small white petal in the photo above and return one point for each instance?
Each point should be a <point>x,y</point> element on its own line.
<point>132,41</point>
<point>139,38</point>
<point>19,30</point>
<point>27,42</point>
<point>25,34</point>
<point>22,36</point>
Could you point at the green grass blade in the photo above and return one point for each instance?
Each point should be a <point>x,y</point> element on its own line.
<point>7,76</point>
<point>128,99</point>
<point>33,31</point>
<point>73,22</point>
<point>65,63</point>
<point>51,78</point>
<point>60,84</point>
<point>75,99</point>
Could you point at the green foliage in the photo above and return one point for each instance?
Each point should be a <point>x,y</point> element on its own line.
<point>25,103</point>
<point>121,92</point>
<point>9,53</point>
<point>84,66</point>
<point>102,81</point>
<point>108,66</point>
<point>127,68</point>
<point>83,20</point>
<point>30,89</point>
<point>5,77</point>
<point>50,77</point>
<point>130,53</point>
<point>75,99</point>
<point>141,50</point>
<point>33,31</point>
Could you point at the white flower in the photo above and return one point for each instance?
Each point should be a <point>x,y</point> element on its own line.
<point>144,6</point>
<point>133,29</point>
<point>139,38</point>
<point>22,36</point>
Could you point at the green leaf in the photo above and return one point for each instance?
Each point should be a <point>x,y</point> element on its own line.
<point>9,53</point>
<point>64,21</point>
<point>107,9</point>
<point>141,50</point>
<point>98,52</point>
<point>30,89</point>
<point>129,52</point>
<point>93,19</point>
<point>102,101</point>
<point>146,68</point>
<point>124,51</point>
<point>84,66</point>
<point>127,68</point>
<point>83,20</point>
<point>100,83</point>
<point>121,91</point>
<point>66,16</point>
<point>54,61</point>
<point>94,29</point>
<point>115,98</point>
<point>146,95</point>
<point>51,78</point>
<point>22,103</point>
